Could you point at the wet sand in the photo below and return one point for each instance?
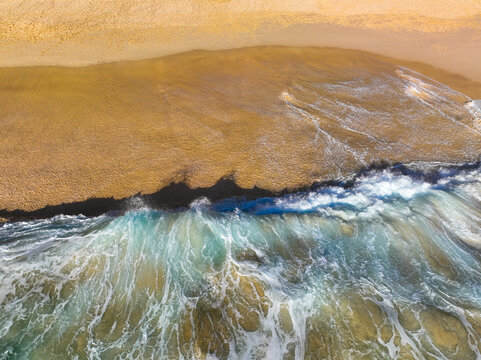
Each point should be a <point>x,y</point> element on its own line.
<point>116,129</point>
<point>445,34</point>
<point>272,117</point>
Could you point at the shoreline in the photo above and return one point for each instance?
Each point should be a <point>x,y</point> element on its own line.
<point>178,196</point>
<point>450,56</point>
<point>119,129</point>
<point>444,34</point>
<point>455,51</point>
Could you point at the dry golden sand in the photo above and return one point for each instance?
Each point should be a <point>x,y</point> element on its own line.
<point>446,34</point>
<point>37,20</point>
<point>275,117</point>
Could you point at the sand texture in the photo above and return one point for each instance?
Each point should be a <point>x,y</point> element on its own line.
<point>446,34</point>
<point>275,117</point>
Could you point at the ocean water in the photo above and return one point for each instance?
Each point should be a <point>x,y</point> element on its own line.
<point>386,267</point>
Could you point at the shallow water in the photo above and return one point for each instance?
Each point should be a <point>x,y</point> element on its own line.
<point>273,117</point>
<point>388,267</point>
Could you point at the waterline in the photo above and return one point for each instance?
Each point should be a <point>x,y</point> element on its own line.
<point>388,267</point>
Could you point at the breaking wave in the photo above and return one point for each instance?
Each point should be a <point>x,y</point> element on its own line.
<point>384,265</point>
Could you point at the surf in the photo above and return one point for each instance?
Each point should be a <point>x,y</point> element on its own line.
<point>385,264</point>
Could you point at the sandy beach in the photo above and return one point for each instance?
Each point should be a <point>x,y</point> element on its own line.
<point>220,179</point>
<point>445,34</point>
<point>272,117</point>
<point>97,118</point>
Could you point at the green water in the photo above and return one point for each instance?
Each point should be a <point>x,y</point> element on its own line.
<point>389,268</point>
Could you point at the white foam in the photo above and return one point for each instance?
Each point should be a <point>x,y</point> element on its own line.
<point>369,193</point>
<point>120,264</point>
<point>200,203</point>
<point>474,107</point>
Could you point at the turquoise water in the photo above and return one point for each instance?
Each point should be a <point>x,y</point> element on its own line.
<point>389,267</point>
